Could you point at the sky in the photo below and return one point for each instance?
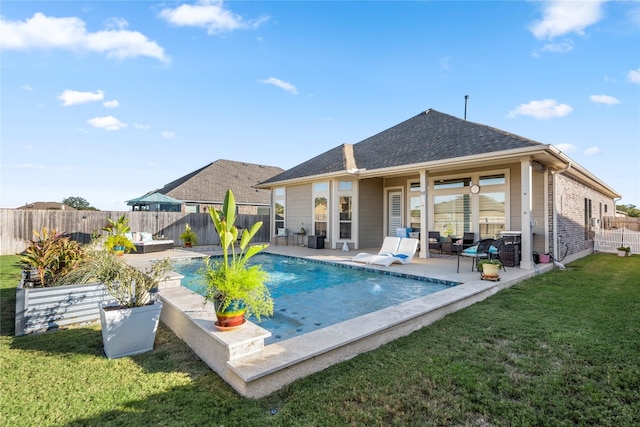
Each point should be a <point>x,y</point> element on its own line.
<point>109,100</point>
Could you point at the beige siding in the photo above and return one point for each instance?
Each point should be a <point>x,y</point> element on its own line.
<point>298,208</point>
<point>370,214</point>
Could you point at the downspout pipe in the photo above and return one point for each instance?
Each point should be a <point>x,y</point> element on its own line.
<point>555,208</point>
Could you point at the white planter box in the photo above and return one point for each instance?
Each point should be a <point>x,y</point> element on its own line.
<point>47,309</point>
<point>129,331</point>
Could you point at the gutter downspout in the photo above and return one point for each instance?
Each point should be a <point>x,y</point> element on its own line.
<point>555,209</point>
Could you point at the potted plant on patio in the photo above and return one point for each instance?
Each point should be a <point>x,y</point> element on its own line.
<point>490,268</point>
<point>624,250</point>
<point>189,237</point>
<point>117,242</point>
<point>130,322</point>
<point>235,288</point>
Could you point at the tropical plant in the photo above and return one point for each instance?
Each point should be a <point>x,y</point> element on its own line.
<point>128,285</point>
<point>116,238</point>
<point>52,254</point>
<point>230,279</point>
<point>189,236</point>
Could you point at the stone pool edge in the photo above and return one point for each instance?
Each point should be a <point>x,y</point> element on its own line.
<point>255,370</point>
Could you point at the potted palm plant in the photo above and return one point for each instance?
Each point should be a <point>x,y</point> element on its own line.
<point>117,242</point>
<point>130,322</point>
<point>235,288</point>
<point>189,237</point>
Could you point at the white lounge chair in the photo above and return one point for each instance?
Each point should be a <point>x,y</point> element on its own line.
<point>389,246</point>
<point>403,255</point>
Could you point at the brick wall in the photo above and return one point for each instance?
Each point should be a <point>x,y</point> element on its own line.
<point>574,235</point>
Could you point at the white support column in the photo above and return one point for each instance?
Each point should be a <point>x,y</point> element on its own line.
<point>525,194</point>
<point>424,234</point>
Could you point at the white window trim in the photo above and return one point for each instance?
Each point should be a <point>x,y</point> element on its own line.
<point>475,198</point>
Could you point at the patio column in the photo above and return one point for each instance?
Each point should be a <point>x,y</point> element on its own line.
<point>525,195</point>
<point>424,241</point>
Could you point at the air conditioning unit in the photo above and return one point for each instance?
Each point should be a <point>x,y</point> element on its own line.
<point>595,222</point>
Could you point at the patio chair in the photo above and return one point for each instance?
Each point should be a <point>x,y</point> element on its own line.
<point>468,239</point>
<point>434,241</point>
<point>282,233</point>
<point>403,255</point>
<point>389,246</point>
<point>479,250</point>
<point>497,251</point>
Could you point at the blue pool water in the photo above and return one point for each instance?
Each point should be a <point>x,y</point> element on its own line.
<point>310,295</point>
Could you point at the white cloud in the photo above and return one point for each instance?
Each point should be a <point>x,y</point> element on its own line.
<point>542,109</point>
<point>281,84</point>
<point>564,47</point>
<point>44,32</point>
<point>634,76</point>
<point>141,127</point>
<point>209,14</point>
<point>563,17</point>
<point>167,135</point>
<point>592,151</point>
<point>604,99</point>
<point>566,148</point>
<point>107,123</point>
<point>74,97</point>
<point>111,104</point>
<point>26,87</point>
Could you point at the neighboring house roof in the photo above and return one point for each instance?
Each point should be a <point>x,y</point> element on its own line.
<point>47,205</point>
<point>210,183</point>
<point>429,136</point>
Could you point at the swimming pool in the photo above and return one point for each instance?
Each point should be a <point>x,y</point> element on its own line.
<point>311,295</point>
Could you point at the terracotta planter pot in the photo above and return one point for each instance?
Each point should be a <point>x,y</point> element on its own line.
<point>232,316</point>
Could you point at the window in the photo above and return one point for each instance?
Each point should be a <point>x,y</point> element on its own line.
<point>457,209</point>
<point>415,205</point>
<point>587,218</point>
<point>345,217</point>
<point>279,196</point>
<point>491,215</point>
<point>452,214</point>
<point>321,208</point>
<point>191,208</point>
<point>345,201</point>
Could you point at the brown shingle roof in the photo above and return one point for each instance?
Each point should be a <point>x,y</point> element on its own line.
<point>429,136</point>
<point>210,183</point>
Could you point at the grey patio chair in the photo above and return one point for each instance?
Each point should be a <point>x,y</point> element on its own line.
<point>478,251</point>
<point>434,241</point>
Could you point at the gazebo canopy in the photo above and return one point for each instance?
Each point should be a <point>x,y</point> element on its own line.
<point>153,199</point>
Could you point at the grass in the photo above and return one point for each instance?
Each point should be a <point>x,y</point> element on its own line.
<point>559,349</point>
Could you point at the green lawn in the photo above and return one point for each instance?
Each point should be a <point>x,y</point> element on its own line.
<point>562,348</point>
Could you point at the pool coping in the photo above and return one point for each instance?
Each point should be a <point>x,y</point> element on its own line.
<point>255,370</point>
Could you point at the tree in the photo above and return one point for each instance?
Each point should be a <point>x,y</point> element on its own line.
<point>78,203</point>
<point>631,210</point>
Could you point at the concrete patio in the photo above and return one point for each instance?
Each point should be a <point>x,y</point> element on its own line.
<point>255,370</point>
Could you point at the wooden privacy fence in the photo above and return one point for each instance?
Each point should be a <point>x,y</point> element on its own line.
<point>610,240</point>
<point>17,225</point>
